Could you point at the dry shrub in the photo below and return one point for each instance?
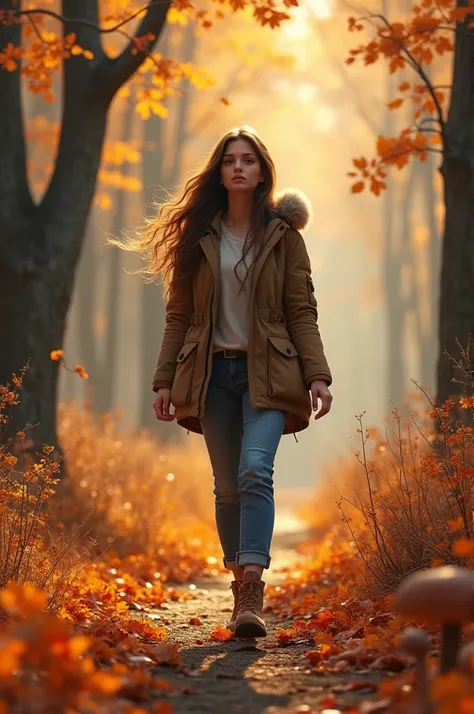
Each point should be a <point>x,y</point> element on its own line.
<point>407,498</point>
<point>145,498</point>
<point>26,485</point>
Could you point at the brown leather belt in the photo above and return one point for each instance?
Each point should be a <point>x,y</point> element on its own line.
<point>231,354</point>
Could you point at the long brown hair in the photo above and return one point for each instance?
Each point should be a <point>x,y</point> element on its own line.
<point>169,243</point>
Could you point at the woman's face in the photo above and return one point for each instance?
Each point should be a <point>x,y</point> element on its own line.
<point>240,167</point>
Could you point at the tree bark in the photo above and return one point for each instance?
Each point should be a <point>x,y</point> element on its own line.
<point>40,245</point>
<point>456,316</point>
<point>87,301</point>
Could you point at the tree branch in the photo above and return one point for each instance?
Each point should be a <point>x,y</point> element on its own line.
<point>81,21</point>
<point>419,70</point>
<point>85,27</point>
<point>112,74</point>
<point>15,198</point>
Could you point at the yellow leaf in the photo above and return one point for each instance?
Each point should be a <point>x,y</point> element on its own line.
<point>176,17</point>
<point>88,54</point>
<point>56,355</point>
<point>76,50</point>
<point>143,109</point>
<point>103,200</point>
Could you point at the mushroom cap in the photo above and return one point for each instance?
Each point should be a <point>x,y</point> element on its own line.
<point>438,595</point>
<point>414,642</point>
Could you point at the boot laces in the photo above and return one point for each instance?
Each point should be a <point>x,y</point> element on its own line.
<point>251,596</point>
<point>236,591</point>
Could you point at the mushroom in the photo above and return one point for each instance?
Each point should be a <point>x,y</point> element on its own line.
<point>442,596</point>
<point>416,643</point>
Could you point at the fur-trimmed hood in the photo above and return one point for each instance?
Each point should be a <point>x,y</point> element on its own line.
<point>294,207</point>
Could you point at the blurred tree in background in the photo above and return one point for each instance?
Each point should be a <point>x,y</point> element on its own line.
<point>99,47</point>
<point>440,122</point>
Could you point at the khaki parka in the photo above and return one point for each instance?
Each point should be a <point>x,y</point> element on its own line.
<point>285,351</point>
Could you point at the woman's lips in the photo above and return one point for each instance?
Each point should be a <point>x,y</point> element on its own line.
<point>238,178</point>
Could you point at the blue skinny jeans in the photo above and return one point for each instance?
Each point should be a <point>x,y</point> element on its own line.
<point>242,442</point>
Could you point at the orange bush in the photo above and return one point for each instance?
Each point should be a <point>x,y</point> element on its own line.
<point>415,495</point>
<point>145,500</point>
<point>68,634</point>
<point>26,486</point>
<point>406,503</point>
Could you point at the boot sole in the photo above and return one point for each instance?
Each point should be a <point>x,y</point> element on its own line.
<point>250,628</point>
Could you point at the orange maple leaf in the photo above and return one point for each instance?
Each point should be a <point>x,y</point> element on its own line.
<point>220,634</point>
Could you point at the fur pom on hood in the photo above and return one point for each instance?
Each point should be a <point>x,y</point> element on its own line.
<point>294,207</point>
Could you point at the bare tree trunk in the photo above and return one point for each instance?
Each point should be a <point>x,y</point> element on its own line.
<point>456,318</point>
<point>40,244</point>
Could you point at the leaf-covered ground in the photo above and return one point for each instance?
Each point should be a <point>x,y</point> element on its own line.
<point>255,676</point>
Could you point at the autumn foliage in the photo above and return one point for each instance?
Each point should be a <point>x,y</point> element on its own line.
<point>402,504</point>
<point>410,47</point>
<point>77,596</point>
<point>44,48</point>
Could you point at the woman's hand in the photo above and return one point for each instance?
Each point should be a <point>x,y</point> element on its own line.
<point>162,403</point>
<point>319,389</point>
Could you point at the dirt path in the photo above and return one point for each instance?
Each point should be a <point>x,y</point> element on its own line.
<point>255,676</point>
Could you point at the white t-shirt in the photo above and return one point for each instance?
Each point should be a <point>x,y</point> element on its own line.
<point>232,324</point>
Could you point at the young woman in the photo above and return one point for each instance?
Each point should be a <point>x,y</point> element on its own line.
<point>241,359</point>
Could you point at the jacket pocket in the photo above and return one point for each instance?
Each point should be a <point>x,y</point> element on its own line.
<point>284,373</point>
<point>183,378</point>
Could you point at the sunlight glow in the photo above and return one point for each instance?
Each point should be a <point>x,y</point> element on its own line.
<point>321,8</point>
<point>298,27</point>
<point>324,119</point>
<point>306,92</point>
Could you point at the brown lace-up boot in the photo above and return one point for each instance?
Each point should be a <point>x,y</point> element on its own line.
<point>250,622</point>
<point>235,585</point>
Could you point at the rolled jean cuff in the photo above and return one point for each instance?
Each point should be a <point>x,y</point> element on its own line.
<point>226,561</point>
<point>253,557</point>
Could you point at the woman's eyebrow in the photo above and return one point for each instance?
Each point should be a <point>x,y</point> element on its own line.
<point>246,153</point>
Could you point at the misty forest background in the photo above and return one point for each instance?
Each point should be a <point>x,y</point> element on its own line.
<point>375,260</point>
